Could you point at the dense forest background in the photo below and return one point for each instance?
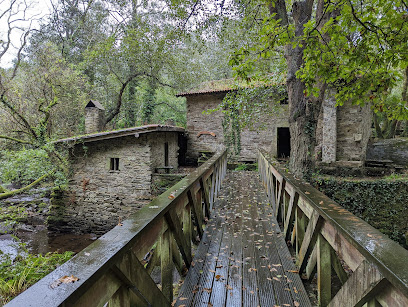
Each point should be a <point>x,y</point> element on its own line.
<point>134,56</point>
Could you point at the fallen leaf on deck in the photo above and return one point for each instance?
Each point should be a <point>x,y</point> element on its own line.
<point>68,279</point>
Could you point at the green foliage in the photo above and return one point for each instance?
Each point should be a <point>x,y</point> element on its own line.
<point>249,108</point>
<point>381,203</point>
<point>25,166</point>
<point>360,51</point>
<point>25,270</point>
<point>246,167</point>
<point>12,214</point>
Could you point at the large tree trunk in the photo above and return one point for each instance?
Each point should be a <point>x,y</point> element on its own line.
<point>303,112</point>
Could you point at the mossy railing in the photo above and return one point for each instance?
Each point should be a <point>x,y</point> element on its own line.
<point>370,268</point>
<point>113,270</point>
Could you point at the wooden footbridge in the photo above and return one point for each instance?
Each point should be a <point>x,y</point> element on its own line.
<point>242,258</point>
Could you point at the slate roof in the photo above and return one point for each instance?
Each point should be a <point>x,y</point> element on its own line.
<point>120,133</point>
<point>94,104</point>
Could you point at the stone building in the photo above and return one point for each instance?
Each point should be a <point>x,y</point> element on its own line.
<point>94,117</point>
<point>205,131</point>
<point>342,131</point>
<point>112,175</point>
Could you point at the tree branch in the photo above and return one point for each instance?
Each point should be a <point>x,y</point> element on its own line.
<point>27,187</point>
<point>15,140</point>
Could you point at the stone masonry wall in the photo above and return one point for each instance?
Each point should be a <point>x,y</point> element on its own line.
<point>156,142</point>
<point>353,132</point>
<point>94,120</point>
<point>97,196</point>
<point>198,122</point>
<point>262,135</point>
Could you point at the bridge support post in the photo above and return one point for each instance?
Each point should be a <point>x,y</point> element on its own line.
<point>166,265</point>
<point>323,271</point>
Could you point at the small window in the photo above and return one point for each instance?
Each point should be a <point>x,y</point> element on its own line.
<point>114,164</point>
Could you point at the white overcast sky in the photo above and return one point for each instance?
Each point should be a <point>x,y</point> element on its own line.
<point>38,10</point>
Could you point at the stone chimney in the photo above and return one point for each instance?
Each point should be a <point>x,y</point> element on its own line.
<point>94,117</point>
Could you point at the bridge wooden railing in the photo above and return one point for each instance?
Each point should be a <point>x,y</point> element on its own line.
<point>355,263</point>
<point>113,271</point>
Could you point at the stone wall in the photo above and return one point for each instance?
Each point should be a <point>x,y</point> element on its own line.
<point>395,150</point>
<point>94,120</point>
<point>353,132</point>
<point>263,134</point>
<point>156,142</point>
<point>98,197</point>
<point>343,132</point>
<point>198,122</point>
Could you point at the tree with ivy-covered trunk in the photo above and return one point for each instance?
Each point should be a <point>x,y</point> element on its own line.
<point>355,48</point>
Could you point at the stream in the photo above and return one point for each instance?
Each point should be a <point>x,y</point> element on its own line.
<point>34,233</point>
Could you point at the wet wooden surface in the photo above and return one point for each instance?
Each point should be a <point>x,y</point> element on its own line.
<point>243,259</point>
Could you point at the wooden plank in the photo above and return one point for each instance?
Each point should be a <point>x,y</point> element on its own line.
<point>175,227</point>
<point>309,241</point>
<point>100,292</point>
<point>212,189</point>
<point>207,273</point>
<point>138,278</point>
<point>154,260</point>
<point>206,196</point>
<point>120,298</point>
<point>266,292</point>
<point>219,290</point>
<point>269,258</point>
<point>391,296</point>
<point>187,225</point>
<point>166,266</point>
<point>177,257</point>
<point>190,285</point>
<point>365,282</point>
<point>290,215</point>
<point>291,279</point>
<point>234,283</point>
<point>311,264</point>
<point>338,268</point>
<point>300,228</point>
<point>249,280</point>
<point>323,271</point>
<point>195,209</point>
<point>346,251</point>
<point>123,294</point>
<point>279,200</point>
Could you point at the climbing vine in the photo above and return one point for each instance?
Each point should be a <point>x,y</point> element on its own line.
<point>249,108</point>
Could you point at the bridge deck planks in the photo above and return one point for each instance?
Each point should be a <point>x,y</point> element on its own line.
<point>243,259</point>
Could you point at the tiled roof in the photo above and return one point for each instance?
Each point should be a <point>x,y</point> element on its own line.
<point>224,85</point>
<point>120,133</point>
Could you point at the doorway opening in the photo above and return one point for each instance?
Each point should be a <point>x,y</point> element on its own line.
<point>283,142</point>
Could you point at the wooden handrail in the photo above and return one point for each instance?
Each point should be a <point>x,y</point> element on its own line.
<point>112,268</point>
<point>326,236</point>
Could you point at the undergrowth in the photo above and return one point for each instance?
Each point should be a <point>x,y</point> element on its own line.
<point>17,274</point>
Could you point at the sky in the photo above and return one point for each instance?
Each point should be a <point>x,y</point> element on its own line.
<point>37,11</point>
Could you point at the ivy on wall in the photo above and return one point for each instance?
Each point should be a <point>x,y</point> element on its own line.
<point>381,203</point>
<point>246,108</point>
